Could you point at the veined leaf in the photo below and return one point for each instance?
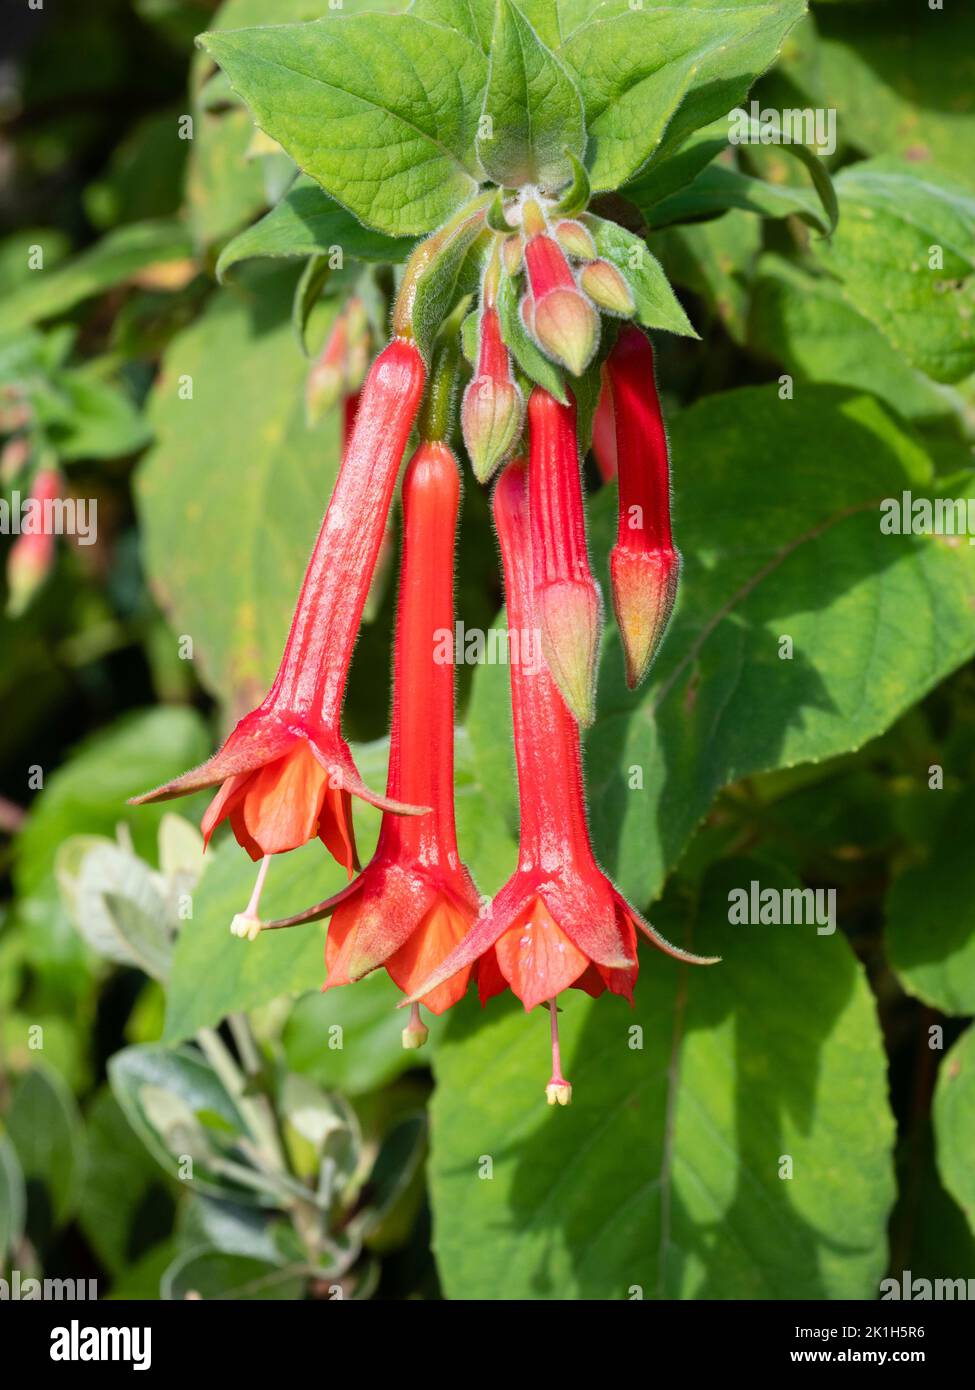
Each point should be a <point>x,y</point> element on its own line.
<point>399,97</point>
<point>667,1176</point>
<point>307,222</point>
<point>533,107</point>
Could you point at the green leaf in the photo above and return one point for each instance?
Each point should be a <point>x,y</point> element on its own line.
<point>533,107</point>
<point>453,270</point>
<point>88,795</point>
<point>232,586</point>
<point>350,1039</point>
<point>123,1202</point>
<point>931,916</point>
<point>215,973</point>
<point>43,293</point>
<point>179,1109</point>
<point>892,222</point>
<point>117,905</point>
<point>472,18</point>
<point>656,304</point>
<point>13,1199</point>
<point>400,97</point>
<point>719,188</point>
<point>768,551</point>
<point>98,421</point>
<point>216,1274</point>
<point>45,1129</point>
<point>308,222</point>
<point>805,322</point>
<point>643,72</point>
<point>954,1122</point>
<point>664,1175</point>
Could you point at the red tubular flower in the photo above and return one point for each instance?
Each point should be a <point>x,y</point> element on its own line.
<point>644,566</point>
<point>604,430</point>
<point>287,774</point>
<point>492,409</point>
<point>31,557</point>
<point>563,322</point>
<point>558,922</point>
<point>415,900</point>
<point>567,601</point>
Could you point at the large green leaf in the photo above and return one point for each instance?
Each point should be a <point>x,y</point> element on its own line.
<point>534,109</point>
<point>307,222</point>
<point>664,1177</point>
<point>42,293</point>
<point>954,1122</point>
<point>806,323</point>
<point>651,75</point>
<point>893,222</point>
<point>778,540</point>
<point>931,914</point>
<point>400,98</point>
<point>233,492</point>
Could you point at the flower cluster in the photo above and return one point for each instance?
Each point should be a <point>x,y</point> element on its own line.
<point>285,775</point>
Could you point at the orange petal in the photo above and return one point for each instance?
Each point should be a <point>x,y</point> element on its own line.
<point>436,936</point>
<point>537,958</point>
<point>229,796</point>
<point>490,981</point>
<point>282,803</point>
<point>335,828</point>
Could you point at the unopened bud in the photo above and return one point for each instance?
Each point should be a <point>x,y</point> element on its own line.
<point>566,326</point>
<point>491,416</point>
<point>575,240</point>
<point>513,254</point>
<point>606,287</point>
<point>644,589</point>
<point>570,618</point>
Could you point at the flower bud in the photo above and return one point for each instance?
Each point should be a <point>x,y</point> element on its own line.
<point>566,327</point>
<point>644,589</point>
<point>491,415</point>
<point>513,254</point>
<point>575,240</point>
<point>492,408</point>
<point>606,287</point>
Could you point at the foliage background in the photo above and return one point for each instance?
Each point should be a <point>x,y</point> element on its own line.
<point>664,1174</point>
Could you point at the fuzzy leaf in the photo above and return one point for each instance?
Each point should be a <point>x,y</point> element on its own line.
<point>400,98</point>
<point>534,109</point>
